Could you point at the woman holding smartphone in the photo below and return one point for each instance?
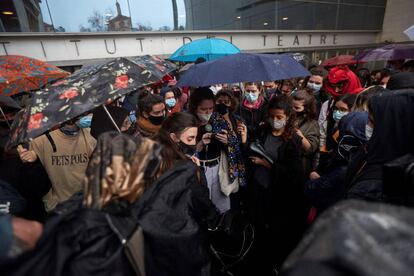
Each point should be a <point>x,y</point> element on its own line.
<point>220,137</point>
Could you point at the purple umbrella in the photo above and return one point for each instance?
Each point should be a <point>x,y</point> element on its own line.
<point>388,52</point>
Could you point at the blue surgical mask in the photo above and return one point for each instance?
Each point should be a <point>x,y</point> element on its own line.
<point>252,97</point>
<point>337,115</point>
<point>314,87</point>
<point>368,132</point>
<point>170,102</point>
<point>85,122</point>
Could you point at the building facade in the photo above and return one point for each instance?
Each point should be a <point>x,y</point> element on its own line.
<point>77,32</point>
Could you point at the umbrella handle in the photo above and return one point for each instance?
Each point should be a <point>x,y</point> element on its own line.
<point>112,119</point>
<point>5,118</point>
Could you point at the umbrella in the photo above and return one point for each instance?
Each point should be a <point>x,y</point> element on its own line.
<point>208,48</point>
<point>388,52</point>
<point>83,91</point>
<point>243,67</point>
<point>22,74</point>
<point>7,102</point>
<point>339,60</point>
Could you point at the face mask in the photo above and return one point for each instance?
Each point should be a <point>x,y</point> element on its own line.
<point>170,102</point>
<point>277,124</point>
<point>314,87</point>
<point>70,130</point>
<point>236,93</point>
<point>132,118</point>
<point>156,120</point>
<point>222,109</point>
<point>252,97</point>
<point>368,132</point>
<point>271,91</point>
<point>300,113</point>
<point>84,122</point>
<point>337,115</point>
<point>204,117</point>
<point>187,149</point>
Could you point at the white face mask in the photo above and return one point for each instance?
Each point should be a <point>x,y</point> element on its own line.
<point>204,117</point>
<point>368,132</point>
<point>277,124</point>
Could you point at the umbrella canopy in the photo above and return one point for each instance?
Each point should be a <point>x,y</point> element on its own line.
<point>22,74</point>
<point>83,91</point>
<point>339,60</point>
<point>388,52</point>
<point>243,67</point>
<point>9,102</point>
<point>208,48</point>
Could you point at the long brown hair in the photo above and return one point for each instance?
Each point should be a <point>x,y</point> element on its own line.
<point>310,103</point>
<point>284,102</point>
<point>176,123</point>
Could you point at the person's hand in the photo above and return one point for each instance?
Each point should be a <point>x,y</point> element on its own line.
<point>242,130</point>
<point>195,160</point>
<point>260,162</point>
<point>27,232</point>
<point>27,156</point>
<point>299,133</point>
<point>314,176</point>
<point>222,137</point>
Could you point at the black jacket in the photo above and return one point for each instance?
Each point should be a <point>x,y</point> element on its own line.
<point>174,214</point>
<point>277,197</point>
<point>253,118</point>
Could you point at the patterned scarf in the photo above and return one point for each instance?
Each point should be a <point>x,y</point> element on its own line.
<point>118,169</point>
<point>234,154</point>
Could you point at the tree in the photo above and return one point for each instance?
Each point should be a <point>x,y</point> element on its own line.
<point>96,21</point>
<point>143,28</point>
<point>164,28</point>
<point>60,29</point>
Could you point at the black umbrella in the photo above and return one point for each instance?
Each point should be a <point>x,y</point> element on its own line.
<point>83,91</point>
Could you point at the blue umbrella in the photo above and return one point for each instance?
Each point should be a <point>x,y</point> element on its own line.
<point>243,67</point>
<point>208,48</point>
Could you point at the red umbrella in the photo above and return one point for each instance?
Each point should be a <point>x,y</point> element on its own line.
<point>22,74</point>
<point>339,60</point>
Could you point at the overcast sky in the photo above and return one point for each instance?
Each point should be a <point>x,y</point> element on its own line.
<point>70,14</point>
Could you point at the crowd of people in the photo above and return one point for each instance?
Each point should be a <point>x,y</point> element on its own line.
<point>194,168</point>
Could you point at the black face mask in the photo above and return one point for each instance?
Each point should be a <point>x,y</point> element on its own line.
<point>237,93</point>
<point>187,149</point>
<point>271,91</point>
<point>300,113</point>
<point>222,109</point>
<point>156,120</point>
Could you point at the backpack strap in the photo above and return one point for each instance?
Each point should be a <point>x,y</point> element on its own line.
<point>52,143</point>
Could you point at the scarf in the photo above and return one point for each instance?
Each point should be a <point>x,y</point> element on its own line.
<point>146,126</point>
<point>234,154</point>
<point>118,169</point>
<point>352,85</point>
<point>255,105</point>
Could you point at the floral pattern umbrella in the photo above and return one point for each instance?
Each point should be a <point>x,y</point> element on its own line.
<point>83,91</point>
<point>22,74</point>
